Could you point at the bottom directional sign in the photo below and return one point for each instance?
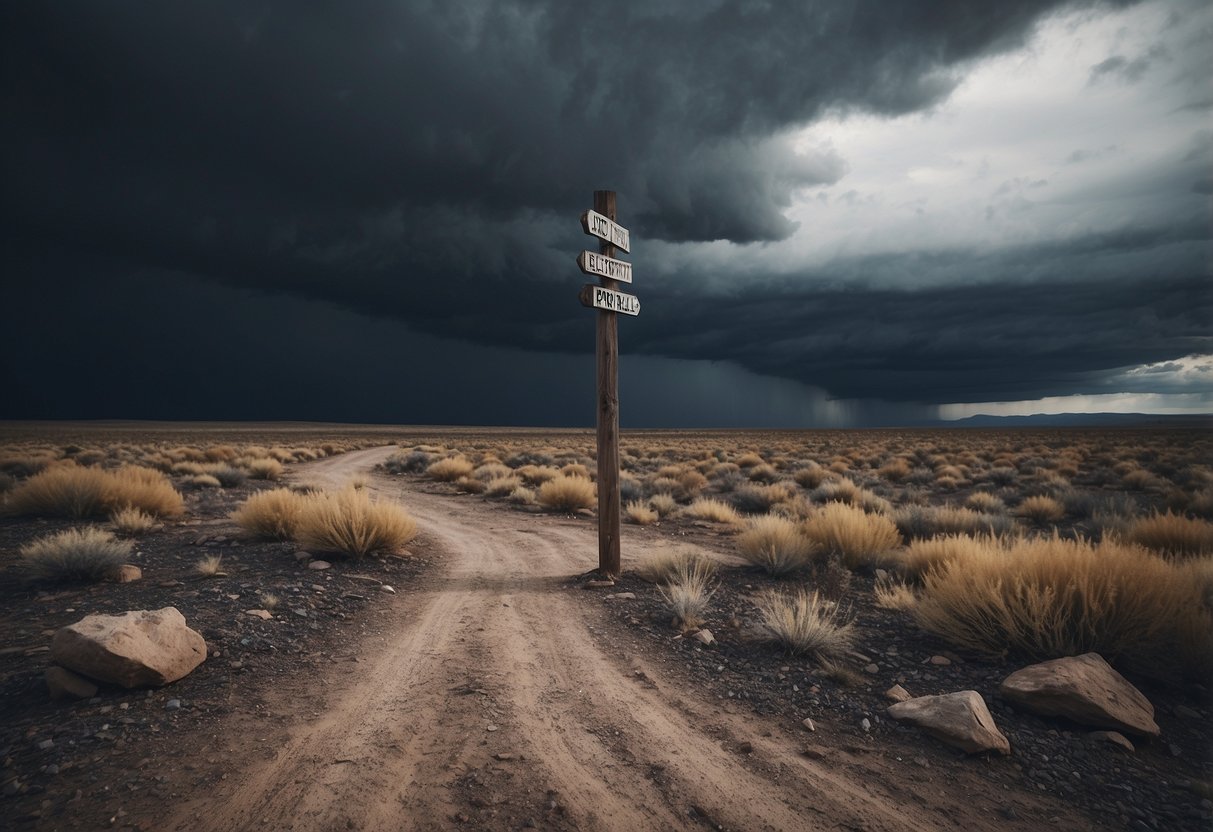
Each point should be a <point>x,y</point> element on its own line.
<point>610,300</point>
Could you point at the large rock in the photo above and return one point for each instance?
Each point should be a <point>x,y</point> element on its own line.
<point>135,649</point>
<point>959,719</point>
<point>1084,689</point>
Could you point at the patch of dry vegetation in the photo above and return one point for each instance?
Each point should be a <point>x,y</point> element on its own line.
<point>132,521</point>
<point>639,513</point>
<point>89,554</point>
<point>860,539</point>
<point>776,544</point>
<point>667,563</point>
<point>1173,534</point>
<point>1040,509</point>
<point>807,624</point>
<point>271,514</point>
<point>1050,597</point>
<point>568,494</point>
<point>69,490</point>
<point>714,511</point>
<point>353,523</point>
<point>449,469</point>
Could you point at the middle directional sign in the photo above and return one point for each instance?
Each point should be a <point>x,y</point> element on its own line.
<point>599,264</point>
<point>608,299</point>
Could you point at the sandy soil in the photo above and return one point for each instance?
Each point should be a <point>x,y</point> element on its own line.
<point>496,698</point>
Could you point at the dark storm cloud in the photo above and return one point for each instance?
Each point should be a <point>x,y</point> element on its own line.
<point>425,162</point>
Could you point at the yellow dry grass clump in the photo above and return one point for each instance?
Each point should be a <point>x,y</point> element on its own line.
<point>859,538</point>
<point>1051,597</point>
<point>68,490</point>
<point>568,494</point>
<point>925,554</point>
<point>353,523</point>
<point>714,511</point>
<point>807,624</point>
<point>667,563</point>
<point>449,469</point>
<point>639,513</point>
<point>271,514</point>
<point>1041,509</point>
<point>776,544</point>
<point>1173,534</point>
<point>132,521</point>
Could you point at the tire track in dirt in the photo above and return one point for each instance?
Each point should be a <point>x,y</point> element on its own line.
<point>497,656</point>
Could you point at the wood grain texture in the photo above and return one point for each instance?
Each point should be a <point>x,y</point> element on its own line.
<point>607,351</point>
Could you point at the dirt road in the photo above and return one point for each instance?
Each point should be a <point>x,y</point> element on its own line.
<point>497,700</point>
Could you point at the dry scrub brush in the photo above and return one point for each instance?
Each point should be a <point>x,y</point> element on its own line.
<point>270,514</point>
<point>68,490</point>
<point>776,544</point>
<point>1173,534</point>
<point>806,624</point>
<point>449,469</point>
<point>859,538</point>
<point>1041,509</point>
<point>353,523</point>
<point>715,511</point>
<point>639,513</point>
<point>90,554</point>
<point>132,521</point>
<point>1049,597</point>
<point>666,564</point>
<point>568,494</point>
<point>688,591</point>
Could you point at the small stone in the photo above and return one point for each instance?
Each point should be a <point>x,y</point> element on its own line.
<point>264,615</point>
<point>319,565</point>
<point>302,555</point>
<point>491,728</point>
<point>871,668</point>
<point>1175,750</point>
<point>623,596</point>
<point>172,705</point>
<point>745,747</point>
<point>597,584</point>
<point>922,762</point>
<point>881,575</point>
<point>939,661</point>
<point>503,756</point>
<point>51,769</point>
<point>866,724</point>
<point>390,590</point>
<point>897,694</point>
<point>704,636</point>
<point>46,745</point>
<point>300,611</point>
<point>126,573</point>
<point>808,724</point>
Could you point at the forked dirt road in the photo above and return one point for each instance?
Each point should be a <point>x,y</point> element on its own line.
<point>496,700</point>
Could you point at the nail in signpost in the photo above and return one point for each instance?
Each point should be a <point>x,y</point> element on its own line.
<point>606,298</point>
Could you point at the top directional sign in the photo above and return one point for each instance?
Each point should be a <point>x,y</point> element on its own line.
<point>605,229</point>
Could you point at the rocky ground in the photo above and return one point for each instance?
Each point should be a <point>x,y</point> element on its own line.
<point>1162,784</point>
<point>100,751</point>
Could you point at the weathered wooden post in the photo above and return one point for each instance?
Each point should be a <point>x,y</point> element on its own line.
<point>608,301</point>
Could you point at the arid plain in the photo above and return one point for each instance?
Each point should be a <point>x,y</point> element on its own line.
<point>399,634</point>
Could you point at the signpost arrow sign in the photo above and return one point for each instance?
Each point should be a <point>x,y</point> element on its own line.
<point>609,300</point>
<point>598,264</point>
<point>606,229</point>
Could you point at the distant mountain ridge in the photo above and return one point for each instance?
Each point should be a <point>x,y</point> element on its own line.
<point>982,420</point>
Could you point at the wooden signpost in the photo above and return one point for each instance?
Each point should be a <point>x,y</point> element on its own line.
<point>606,298</point>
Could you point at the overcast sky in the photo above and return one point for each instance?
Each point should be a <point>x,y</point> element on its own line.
<point>859,212</point>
